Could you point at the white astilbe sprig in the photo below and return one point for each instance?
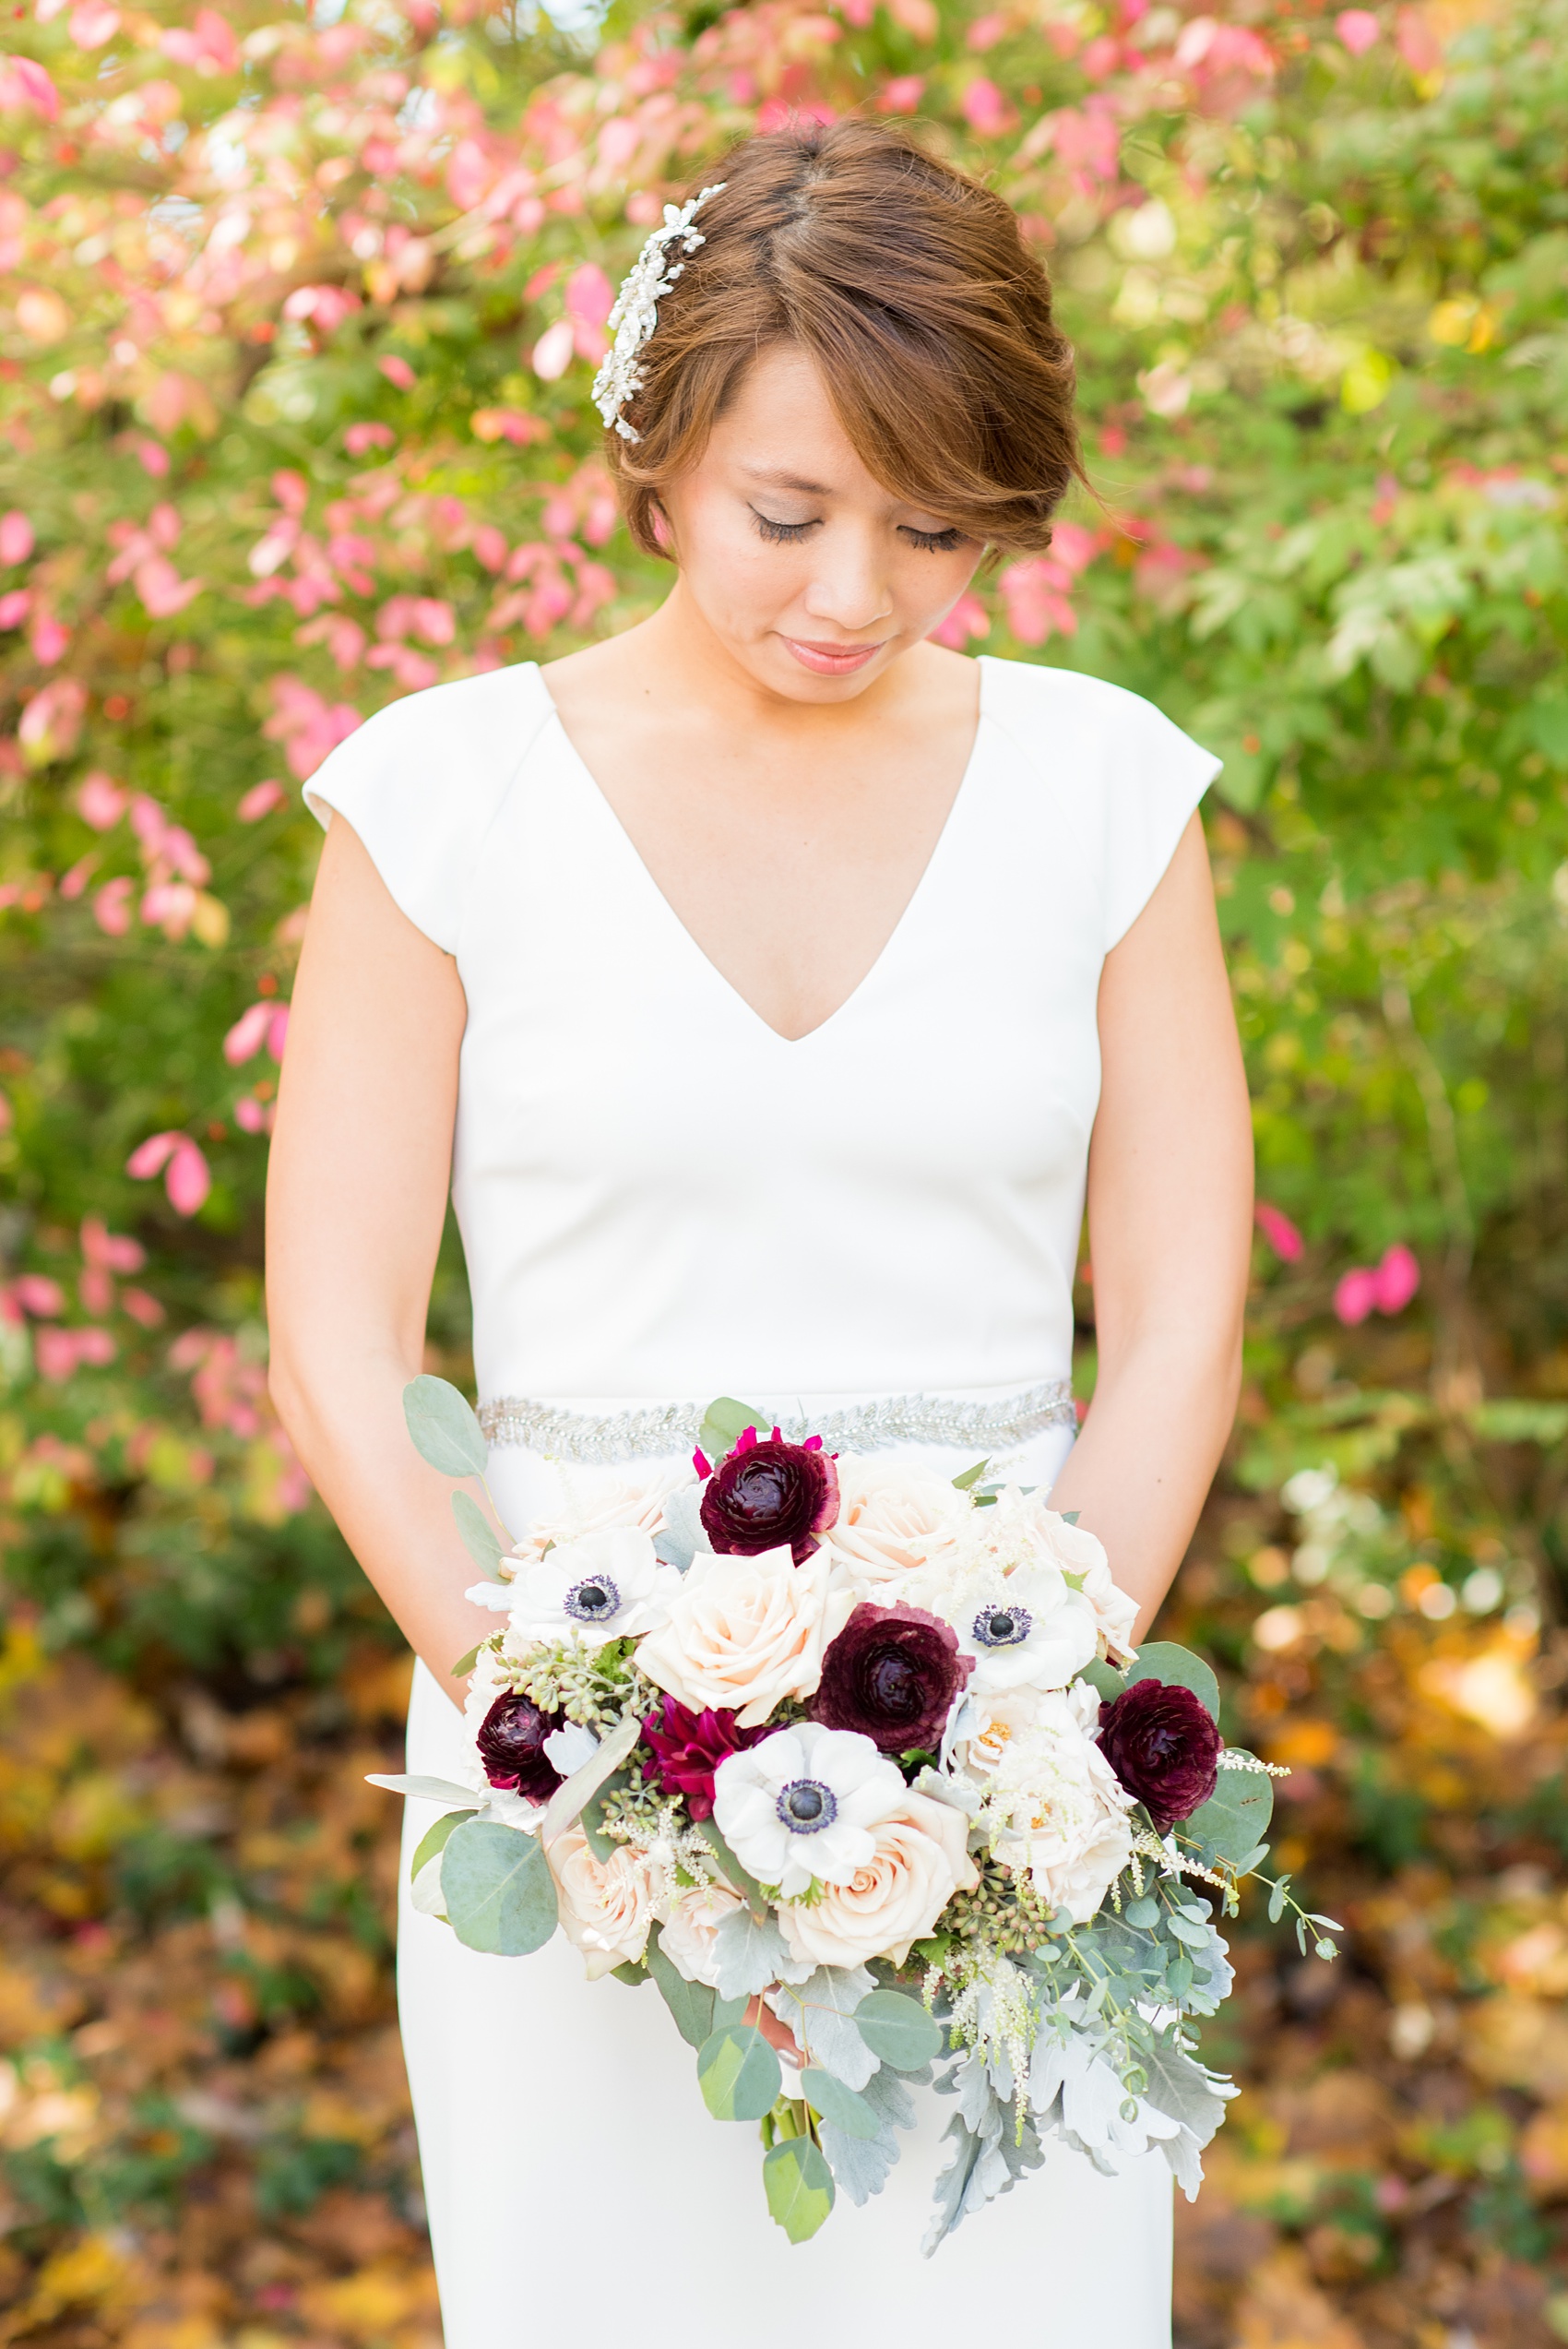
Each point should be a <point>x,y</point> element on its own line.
<point>635,313</point>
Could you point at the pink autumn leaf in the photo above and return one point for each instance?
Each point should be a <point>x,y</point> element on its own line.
<point>141,1307</point>
<point>986,110</point>
<point>248,1034</point>
<point>109,1251</point>
<point>967,618</point>
<point>590,297</point>
<point>15,607</point>
<point>902,95</point>
<point>260,800</point>
<point>188,1179</point>
<point>1359,30</point>
<point>161,589</point>
<point>1279,1231</point>
<point>1398,1277</point>
<point>554,351</point>
<point>1355,1295</point>
<point>277,1031</point>
<point>150,1156</point>
<point>49,640</point>
<point>24,83</point>
<point>72,882</point>
<point>361,437</point>
<point>397,371</point>
<point>36,1294</point>
<point>16,537</point>
<point>100,801</point>
<point>111,906</point>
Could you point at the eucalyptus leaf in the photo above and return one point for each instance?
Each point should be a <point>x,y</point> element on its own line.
<point>835,2103</point>
<point>567,1801</point>
<point>1194,1937</point>
<point>724,1423</point>
<point>422,1789</point>
<point>443,1428</point>
<point>434,1841</point>
<point>898,2031</point>
<point>632,1973</point>
<point>500,1894</point>
<point>822,2011</point>
<point>739,2073</point>
<point>1233,1821</point>
<point>1175,1667</point>
<point>1104,1679</point>
<point>698,2012</point>
<point>799,2186</point>
<point>479,1538</point>
<point>1143,1913</point>
<point>591,1819</point>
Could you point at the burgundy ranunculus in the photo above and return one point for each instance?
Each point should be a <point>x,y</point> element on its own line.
<point>1164,1745</point>
<point>687,1747</point>
<point>765,1494</point>
<point>891,1674</point>
<point>511,1747</point>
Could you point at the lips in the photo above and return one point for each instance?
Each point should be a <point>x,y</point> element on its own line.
<point>831,659</point>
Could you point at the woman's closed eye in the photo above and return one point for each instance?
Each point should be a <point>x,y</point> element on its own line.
<point>939,542</point>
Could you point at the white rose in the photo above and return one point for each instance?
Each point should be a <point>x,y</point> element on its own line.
<point>920,1861</point>
<point>628,1502</point>
<point>1081,1557</point>
<point>894,1519</point>
<point>607,1907</point>
<point>1060,1808</point>
<point>687,1936</point>
<point>745,1632</point>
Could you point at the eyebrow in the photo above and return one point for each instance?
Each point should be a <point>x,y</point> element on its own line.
<point>785,481</point>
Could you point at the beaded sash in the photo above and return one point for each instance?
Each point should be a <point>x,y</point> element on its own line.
<point>667,1429</point>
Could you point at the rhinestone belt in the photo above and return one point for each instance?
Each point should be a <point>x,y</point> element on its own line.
<point>670,1428</point>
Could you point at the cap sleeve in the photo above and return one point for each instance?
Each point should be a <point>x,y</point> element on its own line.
<point>422,782</point>
<point>1128,780</point>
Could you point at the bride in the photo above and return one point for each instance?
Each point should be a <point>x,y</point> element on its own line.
<point>770,986</point>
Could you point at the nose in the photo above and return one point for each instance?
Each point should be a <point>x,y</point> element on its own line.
<point>848,588</point>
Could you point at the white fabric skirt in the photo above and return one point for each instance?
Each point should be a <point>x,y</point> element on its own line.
<point>576,2185</point>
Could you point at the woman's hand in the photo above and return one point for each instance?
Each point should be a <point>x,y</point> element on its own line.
<point>356,1197</point>
<point>1170,1220</point>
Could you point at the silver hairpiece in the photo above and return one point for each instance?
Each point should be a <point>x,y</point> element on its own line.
<point>636,314</point>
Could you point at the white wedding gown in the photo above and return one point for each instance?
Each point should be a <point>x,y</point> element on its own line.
<point>663,1200</point>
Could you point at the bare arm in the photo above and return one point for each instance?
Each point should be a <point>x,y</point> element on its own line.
<point>1170,1207</point>
<point>356,1197</point>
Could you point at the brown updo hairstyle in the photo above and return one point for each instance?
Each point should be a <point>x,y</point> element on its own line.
<point>911,287</point>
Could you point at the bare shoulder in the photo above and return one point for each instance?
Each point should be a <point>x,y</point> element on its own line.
<point>617,668</point>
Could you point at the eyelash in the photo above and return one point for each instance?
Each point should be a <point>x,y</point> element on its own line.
<point>790,533</point>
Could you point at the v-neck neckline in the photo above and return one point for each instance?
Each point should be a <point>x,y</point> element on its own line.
<point>895,934</point>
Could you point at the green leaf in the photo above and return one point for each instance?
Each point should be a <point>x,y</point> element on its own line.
<point>566,1803</point>
<point>738,2073</point>
<point>970,1477</point>
<point>835,2103</point>
<point>422,1789</point>
<point>1175,1667</point>
<point>598,1844</point>
<point>1233,1821</point>
<point>724,1423</point>
<point>690,2003</point>
<point>898,2030</point>
<point>433,1840</point>
<point>479,1538</point>
<point>443,1428</point>
<point>1277,1898</point>
<point>1104,1679</point>
<point>465,1665</point>
<point>1071,1516</point>
<point>633,1972</point>
<point>500,1895</point>
<point>799,2186</point>
<point>1195,1937</point>
<point>735,1875</point>
<point>1144,1913</point>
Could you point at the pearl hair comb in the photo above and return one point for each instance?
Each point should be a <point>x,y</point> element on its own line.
<point>635,313</point>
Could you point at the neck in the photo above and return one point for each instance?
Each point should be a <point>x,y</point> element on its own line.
<point>683,658</point>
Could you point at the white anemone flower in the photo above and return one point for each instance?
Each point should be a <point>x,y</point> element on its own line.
<point>803,1803</point>
<point>609,1585</point>
<point>1025,1630</point>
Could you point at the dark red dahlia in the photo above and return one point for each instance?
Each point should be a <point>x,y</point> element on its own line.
<point>765,1494</point>
<point>891,1674</point>
<point>1164,1745</point>
<point>687,1747</point>
<point>511,1747</point>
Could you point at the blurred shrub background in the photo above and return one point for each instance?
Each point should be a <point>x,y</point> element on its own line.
<point>299,306</point>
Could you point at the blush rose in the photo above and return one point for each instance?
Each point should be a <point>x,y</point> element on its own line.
<point>920,1861</point>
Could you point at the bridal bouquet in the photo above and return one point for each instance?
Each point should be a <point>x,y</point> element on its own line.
<point>871,1750</point>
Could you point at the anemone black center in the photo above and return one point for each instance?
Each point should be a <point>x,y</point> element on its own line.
<point>1002,1626</point>
<point>806,1806</point>
<point>593,1600</point>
